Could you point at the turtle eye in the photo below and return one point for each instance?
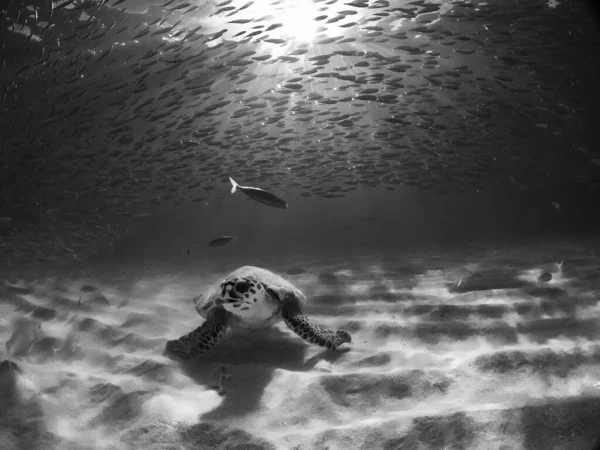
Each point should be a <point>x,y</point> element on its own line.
<point>242,286</point>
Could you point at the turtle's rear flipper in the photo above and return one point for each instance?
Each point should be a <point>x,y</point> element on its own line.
<point>315,334</point>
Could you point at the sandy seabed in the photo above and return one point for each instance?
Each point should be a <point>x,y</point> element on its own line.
<point>452,349</point>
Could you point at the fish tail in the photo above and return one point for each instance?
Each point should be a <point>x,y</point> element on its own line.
<point>234,185</point>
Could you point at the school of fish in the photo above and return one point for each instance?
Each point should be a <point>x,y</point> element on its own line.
<point>111,106</point>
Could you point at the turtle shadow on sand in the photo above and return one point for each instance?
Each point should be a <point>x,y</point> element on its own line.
<point>250,358</point>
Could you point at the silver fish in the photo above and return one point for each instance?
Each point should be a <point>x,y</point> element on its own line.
<point>259,195</point>
<point>545,277</point>
<point>221,241</point>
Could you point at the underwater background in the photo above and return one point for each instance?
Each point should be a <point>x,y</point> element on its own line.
<point>440,163</point>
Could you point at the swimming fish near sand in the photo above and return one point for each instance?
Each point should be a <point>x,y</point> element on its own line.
<point>221,241</point>
<point>545,277</point>
<point>259,195</point>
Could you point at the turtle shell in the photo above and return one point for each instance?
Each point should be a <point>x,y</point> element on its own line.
<point>253,295</point>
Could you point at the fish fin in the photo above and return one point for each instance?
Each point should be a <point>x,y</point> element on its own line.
<point>234,185</point>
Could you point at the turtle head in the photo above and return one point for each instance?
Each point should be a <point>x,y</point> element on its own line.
<point>238,288</point>
<point>236,292</point>
<point>249,301</point>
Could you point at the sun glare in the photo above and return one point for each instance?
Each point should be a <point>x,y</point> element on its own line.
<point>291,20</point>
<point>298,21</point>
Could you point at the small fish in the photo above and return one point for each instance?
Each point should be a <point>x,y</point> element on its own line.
<point>221,241</point>
<point>557,206</point>
<point>141,216</point>
<point>328,278</point>
<point>259,195</point>
<point>545,277</point>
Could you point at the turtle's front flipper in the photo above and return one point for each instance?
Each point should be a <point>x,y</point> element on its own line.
<point>310,332</point>
<point>202,338</point>
<point>197,342</point>
<point>316,334</point>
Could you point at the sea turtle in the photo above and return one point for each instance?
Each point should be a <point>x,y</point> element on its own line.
<point>251,297</point>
